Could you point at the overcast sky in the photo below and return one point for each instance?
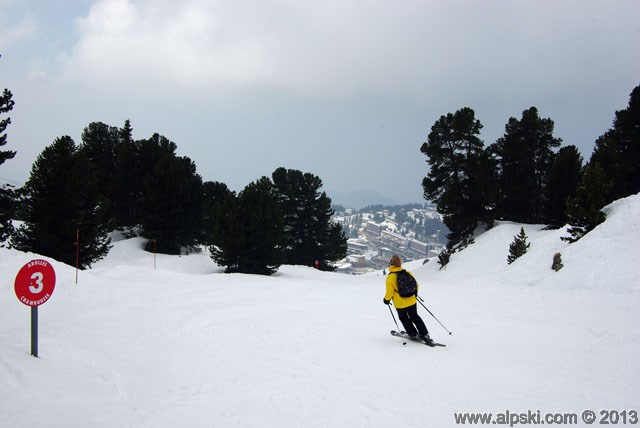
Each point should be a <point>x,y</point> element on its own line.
<point>345,89</point>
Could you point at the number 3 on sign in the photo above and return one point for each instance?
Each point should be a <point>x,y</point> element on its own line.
<point>37,277</point>
<point>35,282</point>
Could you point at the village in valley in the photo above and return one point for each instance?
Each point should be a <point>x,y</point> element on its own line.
<point>375,233</point>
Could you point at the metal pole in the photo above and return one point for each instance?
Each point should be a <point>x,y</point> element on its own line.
<point>434,317</point>
<point>34,331</point>
<point>404,342</point>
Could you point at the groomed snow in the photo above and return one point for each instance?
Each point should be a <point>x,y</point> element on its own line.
<point>186,345</point>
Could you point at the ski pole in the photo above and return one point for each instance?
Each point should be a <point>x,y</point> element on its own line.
<point>404,342</point>
<point>434,317</point>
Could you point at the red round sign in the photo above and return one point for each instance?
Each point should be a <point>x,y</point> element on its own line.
<point>35,282</point>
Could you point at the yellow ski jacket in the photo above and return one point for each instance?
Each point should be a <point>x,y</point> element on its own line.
<point>392,290</point>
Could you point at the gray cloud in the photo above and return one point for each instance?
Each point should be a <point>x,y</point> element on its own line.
<point>338,47</point>
<point>344,89</point>
<point>14,30</point>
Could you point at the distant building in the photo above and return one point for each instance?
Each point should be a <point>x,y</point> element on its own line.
<point>418,246</point>
<point>357,260</point>
<point>373,228</point>
<point>355,247</point>
<point>378,238</point>
<point>394,239</point>
<point>386,253</point>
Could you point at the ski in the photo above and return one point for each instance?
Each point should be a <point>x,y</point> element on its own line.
<point>406,336</point>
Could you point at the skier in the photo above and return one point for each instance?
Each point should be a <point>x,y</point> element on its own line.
<point>407,307</point>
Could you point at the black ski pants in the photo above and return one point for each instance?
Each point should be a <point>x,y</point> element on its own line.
<point>411,321</point>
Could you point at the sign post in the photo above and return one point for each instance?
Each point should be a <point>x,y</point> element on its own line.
<point>34,285</point>
<point>34,331</point>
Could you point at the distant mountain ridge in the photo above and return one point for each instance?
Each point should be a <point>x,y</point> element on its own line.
<point>361,198</point>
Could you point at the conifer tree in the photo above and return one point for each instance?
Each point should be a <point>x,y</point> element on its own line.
<point>151,150</point>
<point>459,179</point>
<point>249,232</point>
<point>57,203</point>
<point>309,232</point>
<point>213,196</point>
<point>146,154</point>
<point>584,211</point>
<point>260,211</point>
<point>127,182</point>
<point>6,105</point>
<point>100,145</point>
<point>518,247</point>
<point>564,177</point>
<point>618,151</point>
<point>228,238</point>
<point>172,205</point>
<point>333,245</point>
<point>524,155</point>
<point>444,257</point>
<point>7,195</point>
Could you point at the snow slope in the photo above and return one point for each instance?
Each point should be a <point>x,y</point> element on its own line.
<point>186,345</point>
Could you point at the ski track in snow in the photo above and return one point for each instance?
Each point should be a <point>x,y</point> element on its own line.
<point>187,345</point>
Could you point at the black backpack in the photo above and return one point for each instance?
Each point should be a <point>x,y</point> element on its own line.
<point>407,285</point>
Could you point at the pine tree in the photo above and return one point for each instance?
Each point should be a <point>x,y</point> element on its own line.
<point>56,204</point>
<point>333,245</point>
<point>6,105</point>
<point>93,221</point>
<point>147,154</point>
<point>127,182</point>
<point>460,179</point>
<point>309,232</point>
<point>172,205</point>
<point>524,155</point>
<point>100,145</point>
<point>213,196</point>
<point>584,211</point>
<point>618,151</point>
<point>518,247</point>
<point>151,150</point>
<point>228,236</point>
<point>261,215</point>
<point>249,231</point>
<point>444,257</point>
<point>564,177</point>
<point>7,195</point>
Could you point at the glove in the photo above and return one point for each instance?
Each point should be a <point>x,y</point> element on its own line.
<point>386,302</point>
